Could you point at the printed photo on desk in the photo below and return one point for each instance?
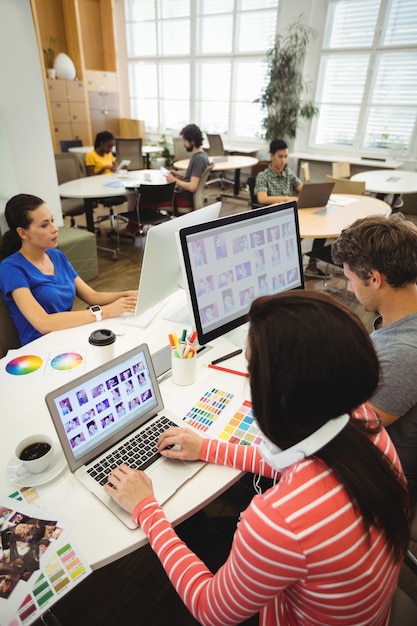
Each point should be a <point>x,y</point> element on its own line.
<point>29,538</point>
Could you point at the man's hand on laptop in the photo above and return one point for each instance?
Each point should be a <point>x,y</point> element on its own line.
<point>128,487</point>
<point>187,444</point>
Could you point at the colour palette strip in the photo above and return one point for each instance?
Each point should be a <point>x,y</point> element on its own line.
<point>208,409</point>
<point>242,428</point>
<point>64,570</point>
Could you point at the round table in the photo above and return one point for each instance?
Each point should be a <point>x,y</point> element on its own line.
<point>221,164</point>
<point>93,188</point>
<point>341,211</point>
<point>388,182</point>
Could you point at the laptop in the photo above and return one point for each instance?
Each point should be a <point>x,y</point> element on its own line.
<point>314,195</point>
<point>112,407</point>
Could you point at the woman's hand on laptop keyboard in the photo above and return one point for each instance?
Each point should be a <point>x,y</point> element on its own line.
<point>187,444</point>
<point>128,487</point>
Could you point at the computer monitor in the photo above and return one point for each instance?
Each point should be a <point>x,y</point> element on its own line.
<point>161,273</point>
<point>230,261</point>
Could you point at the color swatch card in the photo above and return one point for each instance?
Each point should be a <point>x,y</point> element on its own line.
<point>64,570</point>
<point>29,536</point>
<point>208,409</point>
<point>218,414</point>
<point>242,427</point>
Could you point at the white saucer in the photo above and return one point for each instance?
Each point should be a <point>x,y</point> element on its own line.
<point>27,479</point>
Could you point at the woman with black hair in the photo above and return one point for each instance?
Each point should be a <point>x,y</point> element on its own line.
<point>325,543</point>
<point>37,281</point>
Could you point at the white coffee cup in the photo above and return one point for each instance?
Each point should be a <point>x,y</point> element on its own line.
<point>34,453</point>
<point>102,347</point>
<point>183,370</point>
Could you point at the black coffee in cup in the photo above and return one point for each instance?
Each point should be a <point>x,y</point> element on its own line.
<point>34,451</point>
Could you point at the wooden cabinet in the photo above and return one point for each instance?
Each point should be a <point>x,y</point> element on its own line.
<point>103,101</point>
<point>69,111</point>
<point>104,112</point>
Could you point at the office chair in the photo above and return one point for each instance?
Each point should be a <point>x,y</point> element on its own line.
<point>65,144</point>
<point>403,610</point>
<point>198,199</point>
<point>68,167</point>
<point>149,211</point>
<point>130,148</point>
<point>253,199</point>
<point>341,169</point>
<point>216,149</point>
<point>342,185</point>
<point>180,152</point>
<point>305,171</point>
<point>9,337</point>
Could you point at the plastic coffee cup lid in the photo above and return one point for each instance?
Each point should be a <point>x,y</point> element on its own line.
<point>102,337</point>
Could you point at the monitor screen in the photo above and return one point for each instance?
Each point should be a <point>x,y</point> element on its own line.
<point>161,273</point>
<point>230,261</point>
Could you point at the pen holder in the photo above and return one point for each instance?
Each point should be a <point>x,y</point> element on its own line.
<point>183,370</point>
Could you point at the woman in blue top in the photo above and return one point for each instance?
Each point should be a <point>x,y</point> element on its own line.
<point>37,281</point>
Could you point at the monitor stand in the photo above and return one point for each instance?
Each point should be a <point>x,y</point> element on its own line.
<point>176,309</point>
<point>238,336</point>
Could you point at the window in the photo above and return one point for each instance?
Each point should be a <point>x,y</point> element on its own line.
<point>367,81</point>
<point>199,61</point>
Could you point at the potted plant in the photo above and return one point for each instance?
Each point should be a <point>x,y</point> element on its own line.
<point>49,56</point>
<point>166,152</point>
<point>282,98</point>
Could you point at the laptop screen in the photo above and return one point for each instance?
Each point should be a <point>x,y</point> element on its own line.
<point>93,412</point>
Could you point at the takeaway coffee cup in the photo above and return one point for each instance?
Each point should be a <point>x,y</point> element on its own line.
<point>34,453</point>
<point>102,346</point>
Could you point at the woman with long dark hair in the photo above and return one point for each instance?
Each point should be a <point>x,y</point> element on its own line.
<point>37,281</point>
<point>325,543</point>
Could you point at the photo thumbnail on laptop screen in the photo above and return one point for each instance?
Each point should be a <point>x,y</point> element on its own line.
<point>231,261</point>
<point>97,409</point>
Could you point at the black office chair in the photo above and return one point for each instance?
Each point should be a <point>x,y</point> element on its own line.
<point>66,144</point>
<point>253,199</point>
<point>149,211</point>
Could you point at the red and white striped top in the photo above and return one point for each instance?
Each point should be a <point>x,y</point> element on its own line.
<point>300,554</point>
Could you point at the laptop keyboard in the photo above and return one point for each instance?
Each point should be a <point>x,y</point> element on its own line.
<point>138,452</point>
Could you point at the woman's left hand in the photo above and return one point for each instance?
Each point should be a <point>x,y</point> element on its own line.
<point>130,486</point>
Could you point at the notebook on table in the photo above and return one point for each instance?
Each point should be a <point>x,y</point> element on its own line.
<point>314,195</point>
<point>105,418</point>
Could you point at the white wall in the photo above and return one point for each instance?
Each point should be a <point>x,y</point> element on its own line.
<point>27,162</point>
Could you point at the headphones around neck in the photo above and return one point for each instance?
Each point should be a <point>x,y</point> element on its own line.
<point>280,459</point>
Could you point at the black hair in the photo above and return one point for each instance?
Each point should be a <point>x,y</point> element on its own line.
<point>191,132</point>
<point>18,215</point>
<point>277,144</point>
<point>310,360</point>
<point>102,137</point>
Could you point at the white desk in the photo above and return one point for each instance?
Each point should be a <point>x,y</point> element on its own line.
<point>221,164</point>
<point>337,158</point>
<point>386,182</point>
<point>93,188</point>
<point>328,222</point>
<point>100,536</point>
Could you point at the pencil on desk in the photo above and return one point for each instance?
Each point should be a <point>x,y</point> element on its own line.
<point>226,369</point>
